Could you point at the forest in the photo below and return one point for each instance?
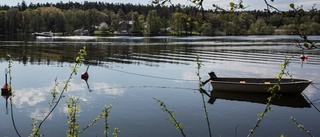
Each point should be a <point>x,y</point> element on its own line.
<point>101,18</point>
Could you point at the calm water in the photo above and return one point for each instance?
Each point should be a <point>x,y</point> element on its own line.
<point>128,72</point>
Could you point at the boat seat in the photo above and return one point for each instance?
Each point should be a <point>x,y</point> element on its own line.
<point>267,82</point>
<point>242,82</point>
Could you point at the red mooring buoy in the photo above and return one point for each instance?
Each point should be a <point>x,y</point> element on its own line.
<point>304,57</point>
<point>6,91</point>
<point>85,75</point>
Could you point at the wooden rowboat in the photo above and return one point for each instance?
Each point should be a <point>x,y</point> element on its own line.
<point>257,85</point>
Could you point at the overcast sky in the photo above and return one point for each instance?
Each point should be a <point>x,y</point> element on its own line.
<point>250,4</point>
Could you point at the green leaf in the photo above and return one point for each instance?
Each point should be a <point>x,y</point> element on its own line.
<point>282,135</point>
<point>306,45</point>
<point>231,4</point>
<point>301,10</point>
<point>292,5</point>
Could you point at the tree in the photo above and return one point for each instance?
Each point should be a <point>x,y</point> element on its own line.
<point>26,21</point>
<point>259,27</point>
<point>94,18</point>
<point>23,5</point>
<point>205,29</point>
<point>142,22</point>
<point>121,14</point>
<point>81,21</point>
<point>245,20</point>
<point>53,18</point>
<point>70,20</point>
<point>103,27</point>
<point>136,26</point>
<point>176,23</point>
<point>37,22</point>
<point>13,20</point>
<point>153,22</point>
<point>3,22</point>
<point>115,22</point>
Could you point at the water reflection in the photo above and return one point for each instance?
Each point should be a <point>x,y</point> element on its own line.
<point>35,98</point>
<point>287,100</point>
<point>165,57</point>
<point>153,50</point>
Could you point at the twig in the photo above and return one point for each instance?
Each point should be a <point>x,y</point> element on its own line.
<point>301,127</point>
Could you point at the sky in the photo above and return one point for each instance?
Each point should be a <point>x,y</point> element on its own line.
<point>250,4</point>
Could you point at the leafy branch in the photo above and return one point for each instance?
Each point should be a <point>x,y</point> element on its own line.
<point>79,60</point>
<point>172,116</point>
<point>199,64</point>
<point>271,90</point>
<point>302,128</point>
<point>9,86</point>
<point>104,114</point>
<point>73,110</point>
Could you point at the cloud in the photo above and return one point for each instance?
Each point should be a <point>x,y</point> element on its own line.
<point>35,100</point>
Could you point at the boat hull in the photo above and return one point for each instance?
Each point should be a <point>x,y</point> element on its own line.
<point>295,100</point>
<point>44,34</point>
<point>259,85</point>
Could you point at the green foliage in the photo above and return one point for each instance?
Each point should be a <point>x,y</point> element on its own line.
<point>55,100</point>
<point>66,17</point>
<point>35,129</point>
<point>136,25</point>
<point>199,64</point>
<point>73,110</point>
<point>301,127</point>
<point>172,119</point>
<point>153,22</point>
<point>272,90</point>
<point>104,114</point>
<point>11,93</point>
<point>115,132</point>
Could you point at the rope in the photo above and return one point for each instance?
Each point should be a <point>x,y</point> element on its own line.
<point>312,84</point>
<point>148,87</point>
<point>143,75</point>
<point>310,102</point>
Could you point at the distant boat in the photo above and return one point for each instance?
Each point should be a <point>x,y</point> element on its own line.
<point>44,34</point>
<point>257,85</point>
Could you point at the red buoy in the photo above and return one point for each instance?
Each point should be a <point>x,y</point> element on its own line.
<point>85,75</point>
<point>6,91</point>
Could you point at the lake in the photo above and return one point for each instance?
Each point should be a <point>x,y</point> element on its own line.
<point>129,72</point>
